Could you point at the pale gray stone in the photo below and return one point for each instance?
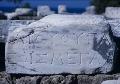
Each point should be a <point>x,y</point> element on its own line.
<point>28,80</point>
<point>62,9</point>
<point>57,79</point>
<point>19,12</point>
<point>84,79</point>
<point>8,26</point>
<point>44,11</point>
<point>112,12</point>
<point>90,10</point>
<point>77,44</point>
<point>5,78</point>
<point>98,79</point>
<point>71,79</point>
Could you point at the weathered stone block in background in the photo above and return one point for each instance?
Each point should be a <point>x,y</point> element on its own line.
<point>44,11</point>
<point>112,12</point>
<point>62,9</point>
<point>77,44</point>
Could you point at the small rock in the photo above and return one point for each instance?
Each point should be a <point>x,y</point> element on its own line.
<point>28,80</point>
<point>70,79</point>
<point>84,79</point>
<point>5,78</point>
<point>58,79</point>
<point>98,79</point>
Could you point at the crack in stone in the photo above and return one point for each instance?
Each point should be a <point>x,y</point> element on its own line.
<point>30,33</point>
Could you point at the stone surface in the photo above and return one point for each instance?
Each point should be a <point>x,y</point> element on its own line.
<point>58,79</point>
<point>77,44</point>
<point>44,11</point>
<point>28,80</point>
<point>19,12</point>
<point>90,10</point>
<point>62,9</point>
<point>5,78</point>
<point>8,26</point>
<point>84,79</point>
<point>98,79</point>
<point>112,12</point>
<point>71,79</point>
<point>115,27</point>
<point>111,82</point>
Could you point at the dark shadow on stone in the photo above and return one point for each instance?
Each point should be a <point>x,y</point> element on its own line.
<point>116,59</point>
<point>103,48</point>
<point>3,17</point>
<point>116,65</point>
<point>2,56</point>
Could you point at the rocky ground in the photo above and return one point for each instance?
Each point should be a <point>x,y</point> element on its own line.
<point>55,79</point>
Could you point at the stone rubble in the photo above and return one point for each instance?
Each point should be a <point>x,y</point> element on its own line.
<point>57,79</point>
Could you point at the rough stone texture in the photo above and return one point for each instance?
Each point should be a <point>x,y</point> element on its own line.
<point>71,79</point>
<point>44,11</point>
<point>7,26</point>
<point>59,79</point>
<point>111,82</point>
<point>90,10</point>
<point>19,12</point>
<point>28,80</point>
<point>62,9</point>
<point>61,44</point>
<point>98,79</point>
<point>84,79</point>
<point>115,27</point>
<point>5,78</point>
<point>112,12</point>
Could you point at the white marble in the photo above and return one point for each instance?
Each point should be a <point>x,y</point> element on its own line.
<point>18,11</point>
<point>111,81</point>
<point>112,12</point>
<point>90,10</point>
<point>8,26</point>
<point>61,44</point>
<point>62,9</point>
<point>115,27</point>
<point>44,11</point>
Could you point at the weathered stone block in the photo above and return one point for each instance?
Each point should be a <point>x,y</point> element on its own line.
<point>44,11</point>
<point>112,12</point>
<point>61,44</point>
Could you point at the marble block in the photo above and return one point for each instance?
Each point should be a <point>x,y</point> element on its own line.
<point>77,44</point>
